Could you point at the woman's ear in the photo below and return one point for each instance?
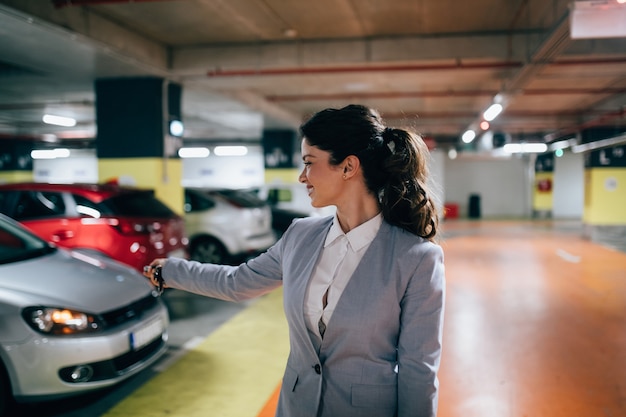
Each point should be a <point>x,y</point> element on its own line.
<point>350,166</point>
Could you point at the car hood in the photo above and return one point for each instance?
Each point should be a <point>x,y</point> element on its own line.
<point>72,280</point>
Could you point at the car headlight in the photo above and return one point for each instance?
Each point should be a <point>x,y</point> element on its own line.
<point>59,321</point>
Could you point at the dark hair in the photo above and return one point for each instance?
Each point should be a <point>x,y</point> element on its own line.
<point>394,163</point>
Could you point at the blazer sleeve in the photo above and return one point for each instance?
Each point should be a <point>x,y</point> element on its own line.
<point>256,277</point>
<point>421,329</point>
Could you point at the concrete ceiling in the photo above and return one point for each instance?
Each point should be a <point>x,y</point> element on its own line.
<point>249,65</point>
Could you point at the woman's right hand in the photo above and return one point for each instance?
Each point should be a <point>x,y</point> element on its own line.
<point>148,270</point>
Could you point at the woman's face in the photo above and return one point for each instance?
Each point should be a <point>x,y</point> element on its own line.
<point>324,182</point>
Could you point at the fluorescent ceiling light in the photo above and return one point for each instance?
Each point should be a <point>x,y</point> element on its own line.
<point>525,147</point>
<point>492,112</point>
<point>468,136</point>
<point>50,153</point>
<point>59,120</point>
<point>193,152</point>
<point>562,144</point>
<point>230,150</point>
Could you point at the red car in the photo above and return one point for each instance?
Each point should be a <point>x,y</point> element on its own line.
<point>127,224</point>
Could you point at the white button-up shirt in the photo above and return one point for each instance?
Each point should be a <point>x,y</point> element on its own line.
<point>340,256</point>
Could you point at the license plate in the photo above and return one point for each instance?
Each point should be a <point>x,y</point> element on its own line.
<point>141,337</point>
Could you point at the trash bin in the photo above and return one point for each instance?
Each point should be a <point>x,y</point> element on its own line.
<point>473,211</point>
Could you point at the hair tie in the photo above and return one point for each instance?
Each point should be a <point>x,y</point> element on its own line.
<point>388,138</point>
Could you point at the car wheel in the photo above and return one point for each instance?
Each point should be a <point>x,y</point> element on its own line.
<point>209,250</point>
<point>6,400</point>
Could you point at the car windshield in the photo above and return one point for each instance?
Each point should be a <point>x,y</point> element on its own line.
<point>140,204</point>
<point>18,244</point>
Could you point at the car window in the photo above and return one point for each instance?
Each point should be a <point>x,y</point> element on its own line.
<point>196,201</point>
<point>138,204</point>
<point>87,208</point>
<point>240,198</point>
<point>38,204</point>
<point>6,201</point>
<point>18,244</point>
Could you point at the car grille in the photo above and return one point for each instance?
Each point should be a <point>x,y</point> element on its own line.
<point>128,313</point>
<point>115,367</point>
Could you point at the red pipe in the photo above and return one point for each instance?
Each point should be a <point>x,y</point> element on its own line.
<point>516,114</point>
<point>390,95</point>
<point>444,93</point>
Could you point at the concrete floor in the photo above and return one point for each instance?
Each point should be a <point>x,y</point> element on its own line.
<point>534,327</point>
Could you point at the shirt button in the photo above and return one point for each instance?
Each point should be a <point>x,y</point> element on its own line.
<point>318,369</point>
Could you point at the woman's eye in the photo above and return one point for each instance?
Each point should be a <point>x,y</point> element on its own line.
<point>307,163</point>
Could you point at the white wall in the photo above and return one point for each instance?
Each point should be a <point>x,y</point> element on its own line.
<point>504,186</point>
<point>225,171</point>
<point>437,178</point>
<point>569,188</point>
<point>81,166</point>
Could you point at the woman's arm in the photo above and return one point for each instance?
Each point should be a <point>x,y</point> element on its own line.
<point>232,283</point>
<point>421,328</point>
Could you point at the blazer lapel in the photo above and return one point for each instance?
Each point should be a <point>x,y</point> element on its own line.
<point>311,250</point>
<point>375,260</point>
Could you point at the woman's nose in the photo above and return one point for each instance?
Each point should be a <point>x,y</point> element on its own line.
<point>302,177</point>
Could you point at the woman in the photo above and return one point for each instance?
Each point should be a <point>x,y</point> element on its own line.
<point>363,290</point>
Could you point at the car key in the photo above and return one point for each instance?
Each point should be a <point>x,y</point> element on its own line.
<point>158,277</point>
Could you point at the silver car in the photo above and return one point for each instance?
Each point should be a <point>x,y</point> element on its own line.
<point>70,322</point>
<point>226,226</point>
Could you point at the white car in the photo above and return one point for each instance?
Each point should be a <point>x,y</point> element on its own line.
<point>69,322</point>
<point>226,226</point>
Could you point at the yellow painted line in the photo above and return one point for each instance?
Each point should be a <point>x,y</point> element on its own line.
<point>232,373</point>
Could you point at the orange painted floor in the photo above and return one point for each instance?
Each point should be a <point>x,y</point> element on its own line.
<point>535,323</point>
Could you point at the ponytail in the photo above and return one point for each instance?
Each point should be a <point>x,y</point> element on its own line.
<point>405,198</point>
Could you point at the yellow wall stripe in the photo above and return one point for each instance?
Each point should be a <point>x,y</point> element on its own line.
<point>15,176</point>
<point>281,175</point>
<point>542,192</point>
<point>164,175</point>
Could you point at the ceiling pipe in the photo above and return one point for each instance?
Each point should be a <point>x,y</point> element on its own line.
<point>598,121</point>
<point>545,54</point>
<point>361,68</point>
<point>444,94</point>
<point>31,106</point>
<point>69,3</point>
<point>599,144</point>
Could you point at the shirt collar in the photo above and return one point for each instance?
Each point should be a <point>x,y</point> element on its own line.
<point>358,237</point>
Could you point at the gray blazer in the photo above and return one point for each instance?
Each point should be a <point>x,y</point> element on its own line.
<point>381,350</point>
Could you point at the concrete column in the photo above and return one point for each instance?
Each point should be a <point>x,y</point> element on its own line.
<point>133,143</point>
<point>281,151</point>
<point>604,211</point>
<point>16,164</point>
